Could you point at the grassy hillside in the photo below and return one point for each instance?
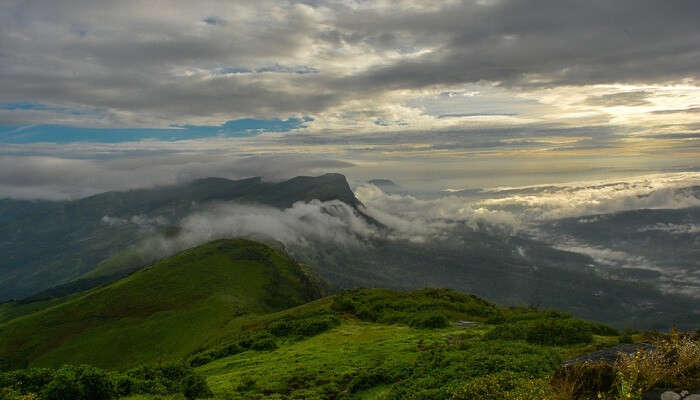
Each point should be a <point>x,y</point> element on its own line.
<point>160,313</point>
<point>383,344</point>
<point>45,243</point>
<point>235,319</point>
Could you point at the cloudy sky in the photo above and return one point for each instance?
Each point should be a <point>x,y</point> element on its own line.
<point>99,95</point>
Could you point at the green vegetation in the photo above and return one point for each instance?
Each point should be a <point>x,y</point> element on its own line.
<point>90,383</point>
<point>674,361</point>
<point>428,308</point>
<point>46,243</point>
<point>161,313</point>
<point>234,319</point>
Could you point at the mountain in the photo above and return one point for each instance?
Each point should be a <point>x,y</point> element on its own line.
<point>230,319</point>
<point>160,313</point>
<point>382,183</point>
<point>252,323</point>
<point>47,243</point>
<point>653,246</point>
<point>506,269</point>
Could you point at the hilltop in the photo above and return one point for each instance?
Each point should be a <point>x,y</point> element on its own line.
<point>48,243</point>
<point>162,312</point>
<point>236,319</point>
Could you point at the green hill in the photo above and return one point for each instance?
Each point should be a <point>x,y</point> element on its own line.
<point>46,243</point>
<point>160,313</point>
<point>235,319</point>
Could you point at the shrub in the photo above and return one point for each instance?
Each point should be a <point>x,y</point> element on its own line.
<point>602,329</point>
<point>195,387</point>
<point>430,321</point>
<point>419,308</point>
<point>79,383</point>
<point>304,327</point>
<point>488,387</point>
<point>675,362</point>
<point>30,380</point>
<point>583,381</point>
<point>264,343</point>
<point>90,383</point>
<point>559,332</point>
<point>552,332</point>
<point>63,386</point>
<point>7,393</point>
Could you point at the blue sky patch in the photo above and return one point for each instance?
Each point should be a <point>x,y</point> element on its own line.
<point>213,20</point>
<point>28,105</point>
<point>246,127</point>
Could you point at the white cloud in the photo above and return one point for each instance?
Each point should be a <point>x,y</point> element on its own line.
<point>657,191</point>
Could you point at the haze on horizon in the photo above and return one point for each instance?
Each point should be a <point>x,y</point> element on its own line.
<point>434,95</point>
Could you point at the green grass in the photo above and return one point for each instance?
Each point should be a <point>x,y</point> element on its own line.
<point>240,314</point>
<point>378,352</point>
<point>161,313</point>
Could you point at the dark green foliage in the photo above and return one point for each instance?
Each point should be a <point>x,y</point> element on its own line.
<point>559,332</point>
<point>303,327</point>
<point>548,331</point>
<point>263,343</point>
<point>444,366</point>
<point>89,383</point>
<point>65,239</point>
<point>30,380</point>
<point>603,330</point>
<point>264,339</point>
<point>427,308</point>
<point>430,321</point>
<point>195,387</point>
<point>211,284</point>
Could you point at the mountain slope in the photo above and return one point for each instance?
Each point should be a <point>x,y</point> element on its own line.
<point>47,243</point>
<point>383,344</point>
<point>162,312</point>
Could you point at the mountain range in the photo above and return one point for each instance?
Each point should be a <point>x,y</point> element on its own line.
<point>56,249</point>
<point>46,243</point>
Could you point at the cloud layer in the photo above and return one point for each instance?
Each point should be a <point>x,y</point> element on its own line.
<point>136,62</point>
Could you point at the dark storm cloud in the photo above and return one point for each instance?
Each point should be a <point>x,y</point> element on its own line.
<point>544,43</point>
<point>143,60</point>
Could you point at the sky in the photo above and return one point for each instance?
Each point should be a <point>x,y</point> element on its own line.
<point>436,95</point>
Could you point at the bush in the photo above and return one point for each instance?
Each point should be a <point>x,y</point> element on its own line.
<point>501,386</point>
<point>551,332</point>
<point>559,332</point>
<point>30,380</point>
<point>675,362</point>
<point>12,394</point>
<point>264,343</point>
<point>583,381</point>
<point>79,383</point>
<point>195,387</point>
<point>421,308</point>
<point>602,329</point>
<point>489,387</point>
<point>430,321</point>
<point>304,327</point>
<point>90,383</point>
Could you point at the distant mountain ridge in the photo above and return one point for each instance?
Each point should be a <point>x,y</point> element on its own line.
<point>47,243</point>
